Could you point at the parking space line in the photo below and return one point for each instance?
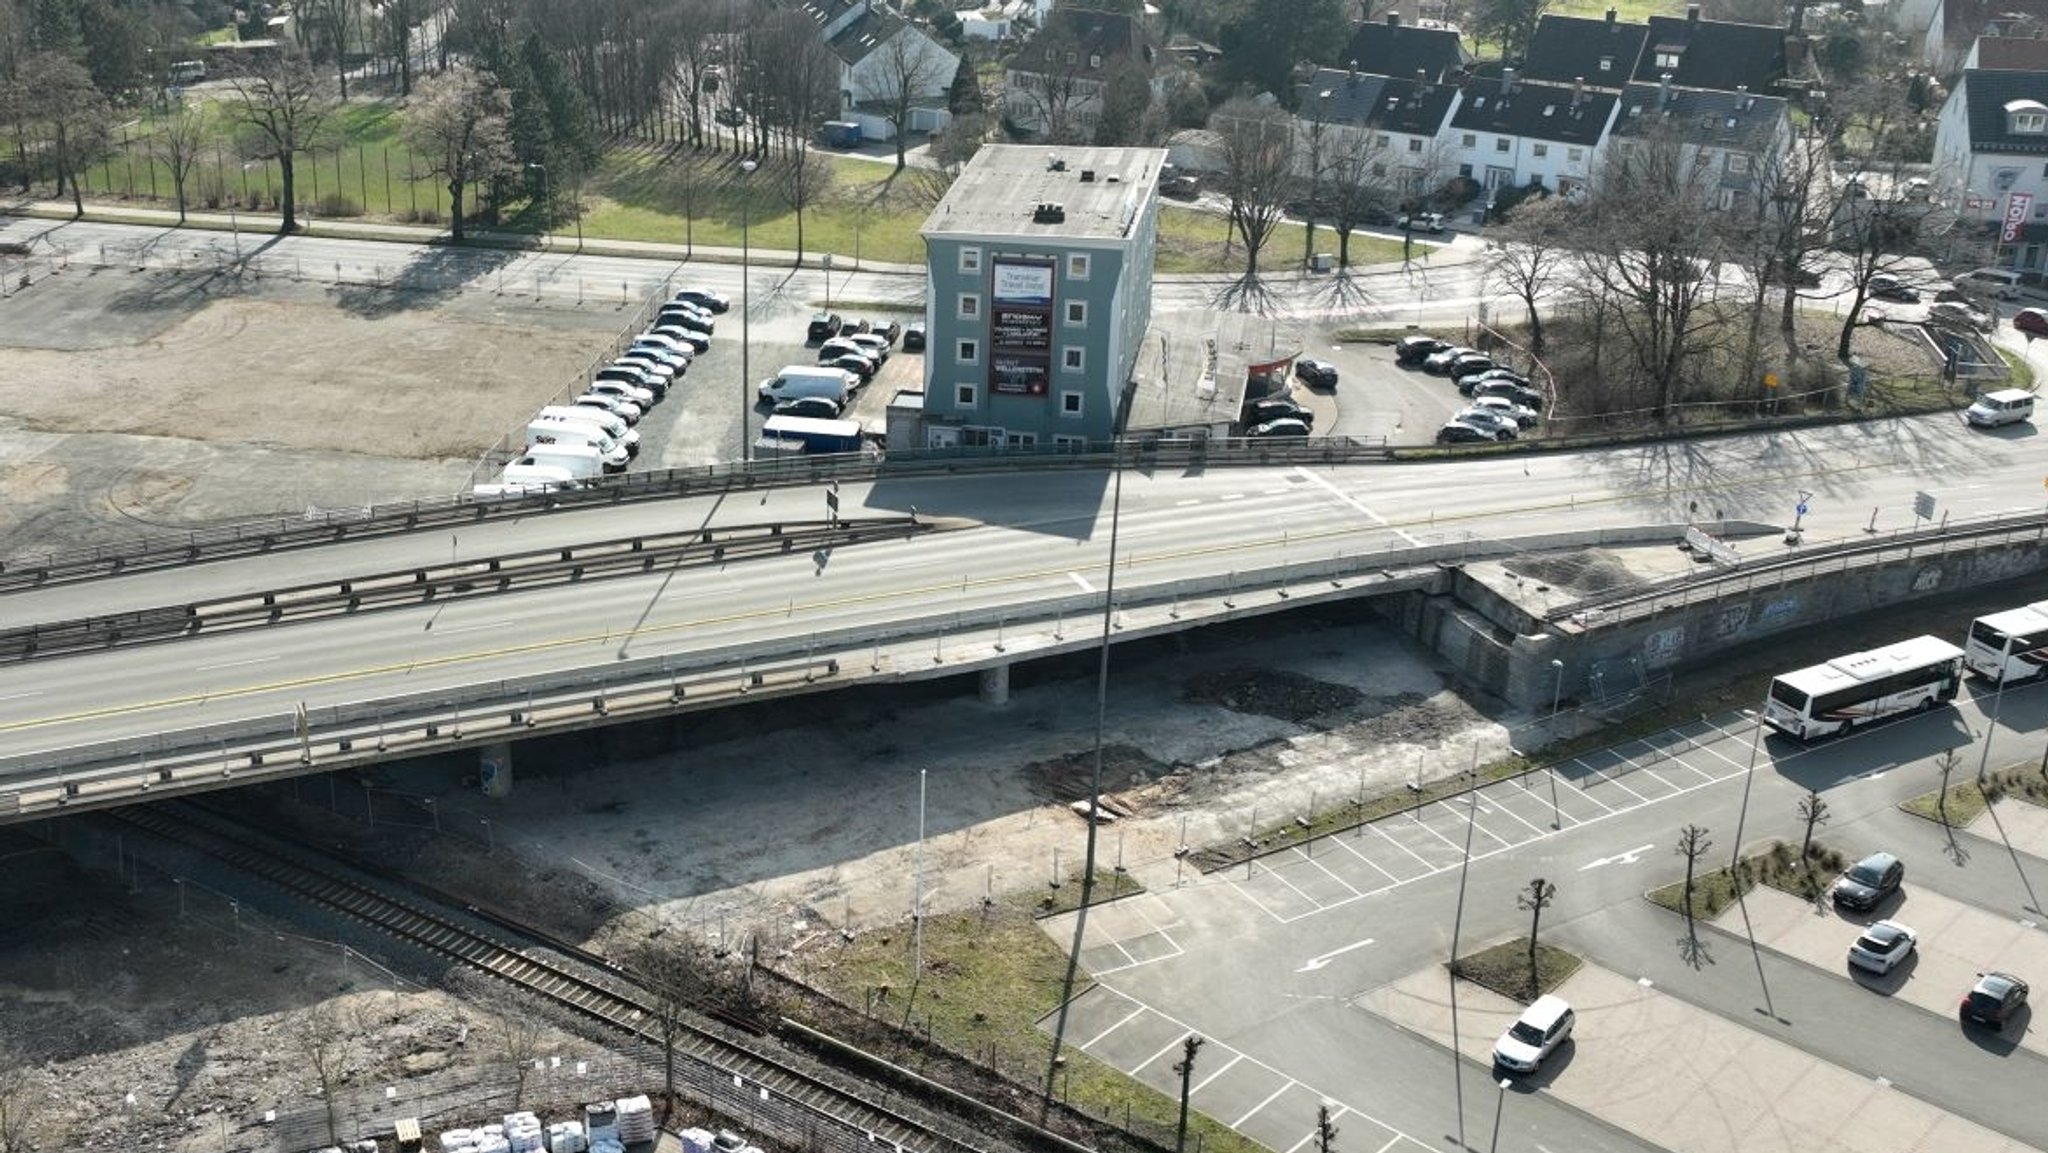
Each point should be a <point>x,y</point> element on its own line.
<point>1489,833</point>
<point>1253,898</point>
<point>1510,813</point>
<point>1389,838</point>
<point>1396,1139</point>
<point>1239,1123</point>
<point>1616,782</point>
<point>1169,1047</point>
<point>1276,875</point>
<point>1581,790</point>
<point>1368,862</point>
<point>1665,781</point>
<point>1198,1086</point>
<point>1141,1009</point>
<point>1348,886</point>
<point>1418,822</point>
<point>1309,1136</point>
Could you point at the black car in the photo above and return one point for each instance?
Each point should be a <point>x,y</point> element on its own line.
<point>1416,349</point>
<point>1180,187</point>
<point>825,326</point>
<point>859,365</point>
<point>705,299</point>
<point>1472,380</point>
<point>1993,1000</point>
<point>821,407</point>
<point>1284,426</point>
<point>1519,393</point>
<point>730,116</point>
<point>1469,364</point>
<point>888,330</point>
<point>1458,432</point>
<point>1261,411</point>
<point>691,319</point>
<point>913,337</point>
<point>1885,286</point>
<point>1869,881</point>
<point>1316,373</point>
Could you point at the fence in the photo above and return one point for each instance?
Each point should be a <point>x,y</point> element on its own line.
<point>336,182</point>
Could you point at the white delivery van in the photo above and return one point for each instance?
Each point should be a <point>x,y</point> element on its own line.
<point>613,426</point>
<point>2006,406</point>
<point>557,430</point>
<point>582,461</point>
<point>520,477</point>
<point>798,380</point>
<point>2002,283</point>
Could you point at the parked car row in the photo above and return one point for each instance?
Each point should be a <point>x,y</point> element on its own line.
<point>1886,944</point>
<point>1504,402</point>
<point>1276,416</point>
<point>593,435</point>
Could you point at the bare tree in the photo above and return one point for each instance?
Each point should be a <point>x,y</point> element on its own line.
<point>1313,148</point>
<point>1536,898</point>
<point>58,93</point>
<point>1326,1130</point>
<point>1049,79</point>
<point>1946,765</point>
<point>19,1108</point>
<point>518,1029</point>
<point>1258,147</point>
<point>459,127</point>
<point>801,178</point>
<point>336,24</point>
<point>1813,812</point>
<point>675,978</point>
<point>906,69</point>
<point>1693,844</point>
<point>1189,1047</point>
<point>1357,190</point>
<point>1526,256</point>
<point>949,153</point>
<point>699,69</point>
<point>279,110</point>
<point>326,1038</point>
<point>180,135</point>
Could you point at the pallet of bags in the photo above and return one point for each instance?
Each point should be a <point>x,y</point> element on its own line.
<point>600,1123</point>
<point>567,1137</point>
<point>458,1141</point>
<point>523,1132</point>
<point>636,1120</point>
<point>695,1140</point>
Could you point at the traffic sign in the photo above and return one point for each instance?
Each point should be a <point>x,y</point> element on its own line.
<point>1800,508</point>
<point>1923,505</point>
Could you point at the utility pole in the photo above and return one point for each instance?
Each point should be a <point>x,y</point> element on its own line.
<point>1186,1068</point>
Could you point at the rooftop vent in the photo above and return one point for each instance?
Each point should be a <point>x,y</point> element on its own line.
<point>1057,164</point>
<point>1087,176</point>
<point>1049,214</point>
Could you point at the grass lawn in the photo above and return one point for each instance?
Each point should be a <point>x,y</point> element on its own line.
<point>989,976</point>
<point>1778,866</point>
<point>1966,802</point>
<point>1504,968</point>
<point>1628,11</point>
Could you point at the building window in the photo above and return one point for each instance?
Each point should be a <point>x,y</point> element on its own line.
<point>1379,170</point>
<point>1738,163</point>
<point>1575,155</point>
<point>1051,55</point>
<point>1380,141</point>
<point>1667,58</point>
<point>970,260</point>
<point>970,351</point>
<point>1077,267</point>
<point>963,396</point>
<point>1069,441</point>
<point>1415,144</point>
<point>1070,359</point>
<point>970,306</point>
<point>1077,312</point>
<point>2031,122</point>
<point>1465,170</point>
<point>1541,151</point>
<point>1500,144</point>
<point>1022,439</point>
<point>1072,58</point>
<point>1469,141</point>
<point>1070,404</point>
<point>1095,60</point>
<point>1607,64</point>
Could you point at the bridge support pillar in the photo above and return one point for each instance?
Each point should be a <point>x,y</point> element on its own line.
<point>995,685</point>
<point>494,769</point>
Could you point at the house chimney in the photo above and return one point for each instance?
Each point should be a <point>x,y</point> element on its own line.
<point>1393,19</point>
<point>1664,90</point>
<point>1578,90</point>
<point>1507,81</point>
<point>1742,97</point>
<point>1421,80</point>
<point>1611,27</point>
<point>1692,14</point>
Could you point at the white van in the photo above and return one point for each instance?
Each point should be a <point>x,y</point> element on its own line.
<point>2002,283</point>
<point>520,477</point>
<point>2006,406</point>
<point>797,380</point>
<point>581,461</point>
<point>613,425</point>
<point>553,430</point>
<point>188,71</point>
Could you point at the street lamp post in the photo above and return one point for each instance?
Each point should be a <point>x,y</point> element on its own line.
<point>547,200</point>
<point>746,371</point>
<point>1557,689</point>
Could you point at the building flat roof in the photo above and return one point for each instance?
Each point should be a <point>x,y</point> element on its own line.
<point>1098,191</point>
<point>1192,367</point>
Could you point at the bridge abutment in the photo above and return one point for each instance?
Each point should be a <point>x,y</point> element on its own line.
<point>995,685</point>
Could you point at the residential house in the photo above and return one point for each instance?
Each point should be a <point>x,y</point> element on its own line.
<point>1054,84</point>
<point>1395,123</point>
<point>1510,133</point>
<point>1720,55</point>
<point>877,48</point>
<point>1955,25</point>
<point>1038,292</point>
<point>1991,145</point>
<point>1391,48</point>
<point>1736,139</point>
<point>1581,50</point>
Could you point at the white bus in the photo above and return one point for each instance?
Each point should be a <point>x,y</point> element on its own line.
<point>2013,643</point>
<point>1863,687</point>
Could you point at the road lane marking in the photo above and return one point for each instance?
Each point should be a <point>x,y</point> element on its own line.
<point>18,696</point>
<point>1367,513</point>
<point>1239,1123</point>
<point>472,628</point>
<point>1078,579</point>
<point>237,664</point>
<point>1321,959</point>
<point>1631,857</point>
<point>1186,503</point>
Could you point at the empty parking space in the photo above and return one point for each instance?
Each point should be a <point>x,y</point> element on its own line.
<point>1686,1078</point>
<point>1957,941</point>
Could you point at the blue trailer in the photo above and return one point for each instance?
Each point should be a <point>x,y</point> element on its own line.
<point>815,434</point>
<point>842,134</point>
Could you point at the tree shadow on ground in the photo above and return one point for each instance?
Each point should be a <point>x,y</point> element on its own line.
<point>432,277</point>
<point>1694,951</point>
<point>1247,293</point>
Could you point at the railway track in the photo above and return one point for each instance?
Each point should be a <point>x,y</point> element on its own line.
<point>829,1114</point>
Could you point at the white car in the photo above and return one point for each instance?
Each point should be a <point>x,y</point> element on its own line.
<point>873,344</point>
<point>1422,222</point>
<point>632,392</point>
<point>618,406</point>
<point>673,345</point>
<point>1882,946</point>
<point>1521,414</point>
<point>1500,424</point>
<point>1543,1026</point>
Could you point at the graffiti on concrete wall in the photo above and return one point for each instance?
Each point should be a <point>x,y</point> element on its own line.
<point>2001,564</point>
<point>1662,647</point>
<point>1731,620</point>
<point>1927,579</point>
<point>1778,612</point>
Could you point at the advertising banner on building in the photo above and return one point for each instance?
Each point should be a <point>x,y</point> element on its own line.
<point>1020,325</point>
<point>2017,209</point>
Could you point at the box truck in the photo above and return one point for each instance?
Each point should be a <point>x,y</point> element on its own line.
<point>842,134</point>
<point>611,424</point>
<point>797,380</point>
<point>581,461</point>
<point>556,432</point>
<point>814,434</point>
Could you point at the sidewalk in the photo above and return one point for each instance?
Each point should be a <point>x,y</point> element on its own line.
<point>1456,249</point>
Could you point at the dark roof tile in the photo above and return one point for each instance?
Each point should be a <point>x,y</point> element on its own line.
<point>1566,48</point>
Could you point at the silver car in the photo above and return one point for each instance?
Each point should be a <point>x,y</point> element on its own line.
<point>1882,946</point>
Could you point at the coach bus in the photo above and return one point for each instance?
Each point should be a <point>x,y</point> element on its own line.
<point>2013,643</point>
<point>1863,687</point>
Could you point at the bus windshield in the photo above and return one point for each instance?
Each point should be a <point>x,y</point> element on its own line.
<point>1788,696</point>
<point>1986,635</point>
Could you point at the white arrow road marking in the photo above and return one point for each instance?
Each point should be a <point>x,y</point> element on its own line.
<point>1315,963</point>
<point>1629,858</point>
